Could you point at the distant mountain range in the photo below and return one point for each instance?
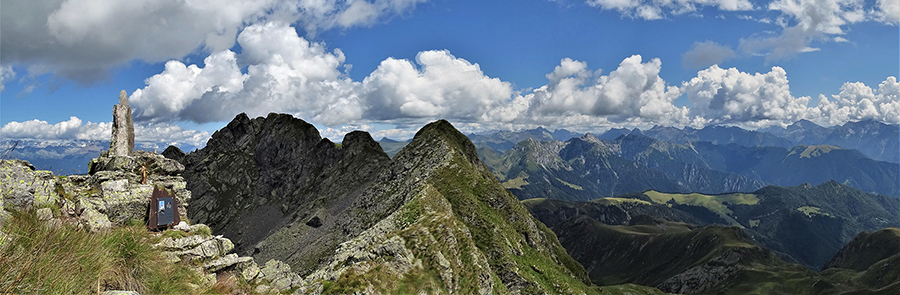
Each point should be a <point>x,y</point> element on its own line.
<point>65,157</point>
<point>876,140</point>
<point>505,140</point>
<point>586,167</point>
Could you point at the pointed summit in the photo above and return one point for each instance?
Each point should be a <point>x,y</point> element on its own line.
<point>441,134</point>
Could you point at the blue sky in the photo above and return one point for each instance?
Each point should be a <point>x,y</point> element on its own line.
<point>402,63</point>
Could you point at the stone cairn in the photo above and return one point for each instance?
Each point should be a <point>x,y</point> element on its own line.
<point>117,189</point>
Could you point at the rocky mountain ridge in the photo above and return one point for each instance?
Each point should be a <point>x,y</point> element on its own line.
<point>433,218</point>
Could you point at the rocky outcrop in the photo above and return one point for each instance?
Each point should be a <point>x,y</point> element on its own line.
<point>212,255</point>
<point>117,190</point>
<point>23,188</point>
<point>111,198</point>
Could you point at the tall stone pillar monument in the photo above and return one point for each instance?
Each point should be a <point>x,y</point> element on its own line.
<point>122,142</point>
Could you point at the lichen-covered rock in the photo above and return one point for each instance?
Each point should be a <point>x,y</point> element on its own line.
<point>250,272</point>
<point>196,247</point>
<point>199,228</point>
<point>23,187</point>
<point>282,283</point>
<point>182,226</point>
<point>122,140</point>
<point>225,262</point>
<point>181,244</point>
<point>126,202</point>
<point>117,190</point>
<point>274,269</point>
<point>95,220</point>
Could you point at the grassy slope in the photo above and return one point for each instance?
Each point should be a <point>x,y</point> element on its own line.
<point>463,225</point>
<point>45,259</point>
<point>500,225</point>
<point>652,254</point>
<point>810,223</point>
<point>869,263</point>
<point>643,254</point>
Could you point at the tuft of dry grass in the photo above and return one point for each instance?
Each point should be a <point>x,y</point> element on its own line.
<point>41,259</point>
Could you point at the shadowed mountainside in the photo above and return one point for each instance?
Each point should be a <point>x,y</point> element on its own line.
<point>807,224</point>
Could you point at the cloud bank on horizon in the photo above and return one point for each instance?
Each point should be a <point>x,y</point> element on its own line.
<point>278,70</point>
<point>286,73</point>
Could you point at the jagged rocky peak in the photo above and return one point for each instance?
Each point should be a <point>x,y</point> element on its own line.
<point>359,141</point>
<point>174,153</point>
<point>589,137</point>
<point>261,182</point>
<point>245,134</point>
<point>350,216</point>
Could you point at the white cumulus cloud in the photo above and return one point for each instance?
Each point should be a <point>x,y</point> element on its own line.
<point>856,101</point>
<point>633,90</point>
<point>83,39</point>
<point>805,22</point>
<point>731,96</point>
<point>75,128</point>
<point>286,73</point>
<point>888,11</point>
<point>6,73</point>
<point>442,86</point>
<point>70,129</point>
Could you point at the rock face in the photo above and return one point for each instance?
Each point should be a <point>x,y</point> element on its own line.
<point>349,219</point>
<point>23,188</point>
<point>260,181</point>
<point>122,142</point>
